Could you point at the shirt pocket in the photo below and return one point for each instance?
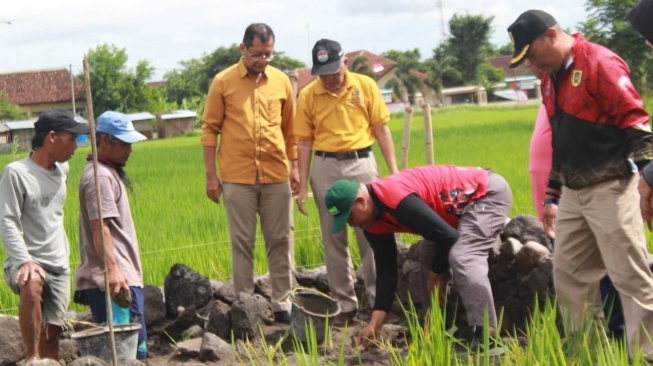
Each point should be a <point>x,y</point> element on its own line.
<point>274,111</point>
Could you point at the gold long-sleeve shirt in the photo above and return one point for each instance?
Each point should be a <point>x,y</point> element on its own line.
<point>255,122</point>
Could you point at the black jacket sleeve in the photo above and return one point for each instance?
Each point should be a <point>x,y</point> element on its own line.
<point>414,213</point>
<point>385,257</point>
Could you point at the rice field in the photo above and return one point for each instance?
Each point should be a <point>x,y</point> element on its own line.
<point>177,223</point>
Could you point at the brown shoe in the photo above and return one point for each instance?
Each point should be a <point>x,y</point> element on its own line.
<point>344,318</point>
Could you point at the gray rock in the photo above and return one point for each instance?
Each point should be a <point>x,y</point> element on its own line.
<point>190,347</point>
<point>154,308</point>
<point>529,255</point>
<point>527,228</point>
<point>510,248</point>
<point>11,341</point>
<point>88,361</point>
<point>308,277</point>
<point>219,320</point>
<point>263,287</point>
<point>185,287</point>
<point>184,321</point>
<point>215,285</point>
<point>193,332</point>
<point>216,349</point>
<point>226,292</point>
<point>322,282</point>
<point>246,313</point>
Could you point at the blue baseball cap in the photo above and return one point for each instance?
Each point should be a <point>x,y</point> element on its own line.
<point>120,126</point>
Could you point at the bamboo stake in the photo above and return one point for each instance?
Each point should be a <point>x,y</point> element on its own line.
<point>428,134</point>
<point>405,141</point>
<point>107,290</point>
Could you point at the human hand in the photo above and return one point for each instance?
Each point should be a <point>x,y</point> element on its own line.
<point>301,199</point>
<point>294,180</point>
<point>213,189</point>
<point>549,219</point>
<point>645,200</point>
<point>27,271</point>
<point>437,280</point>
<point>117,281</point>
<point>365,337</point>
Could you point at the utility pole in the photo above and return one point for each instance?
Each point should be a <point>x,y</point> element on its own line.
<point>72,89</point>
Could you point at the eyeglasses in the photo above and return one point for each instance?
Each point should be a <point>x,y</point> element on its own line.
<point>260,56</point>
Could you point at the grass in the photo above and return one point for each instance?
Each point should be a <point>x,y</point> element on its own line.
<point>177,223</point>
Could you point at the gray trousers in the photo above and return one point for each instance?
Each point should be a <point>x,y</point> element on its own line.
<point>272,203</point>
<point>478,227</point>
<point>325,172</point>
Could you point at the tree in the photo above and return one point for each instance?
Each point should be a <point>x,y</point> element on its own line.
<point>469,44</point>
<point>405,84</point>
<point>195,76</point>
<point>8,110</point>
<point>285,63</point>
<point>608,25</point>
<point>360,65</point>
<point>442,73</point>
<point>114,86</point>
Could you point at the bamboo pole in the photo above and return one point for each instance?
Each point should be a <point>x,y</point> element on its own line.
<point>107,290</point>
<point>405,141</point>
<point>428,133</point>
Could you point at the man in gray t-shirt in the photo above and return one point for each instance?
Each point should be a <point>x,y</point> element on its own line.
<point>32,195</point>
<point>115,135</point>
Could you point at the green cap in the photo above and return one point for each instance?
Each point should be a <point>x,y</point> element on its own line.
<point>338,200</point>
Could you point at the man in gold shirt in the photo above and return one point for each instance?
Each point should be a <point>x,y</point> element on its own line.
<point>251,106</point>
<point>339,116</point>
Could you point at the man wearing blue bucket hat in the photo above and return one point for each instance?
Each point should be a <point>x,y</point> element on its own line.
<point>115,136</point>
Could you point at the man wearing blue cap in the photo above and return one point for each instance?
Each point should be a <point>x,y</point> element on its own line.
<point>36,267</point>
<point>115,136</point>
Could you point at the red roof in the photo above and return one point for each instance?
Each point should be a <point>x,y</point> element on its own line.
<point>156,84</point>
<point>381,65</point>
<point>40,86</point>
<point>304,77</point>
<point>503,62</point>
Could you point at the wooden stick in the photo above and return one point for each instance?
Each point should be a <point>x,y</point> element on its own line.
<point>405,141</point>
<point>107,289</point>
<point>428,134</point>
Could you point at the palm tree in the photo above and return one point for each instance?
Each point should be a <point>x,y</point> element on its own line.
<point>360,65</point>
<point>441,73</point>
<point>404,84</point>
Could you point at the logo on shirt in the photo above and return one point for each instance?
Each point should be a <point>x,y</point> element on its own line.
<point>355,97</point>
<point>575,77</point>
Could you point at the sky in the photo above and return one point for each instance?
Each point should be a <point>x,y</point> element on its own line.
<point>49,34</point>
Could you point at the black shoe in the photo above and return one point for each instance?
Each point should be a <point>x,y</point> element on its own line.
<point>282,317</point>
<point>476,343</point>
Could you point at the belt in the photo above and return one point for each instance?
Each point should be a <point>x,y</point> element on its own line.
<point>346,155</point>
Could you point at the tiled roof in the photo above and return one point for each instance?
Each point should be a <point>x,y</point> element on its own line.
<point>304,77</point>
<point>381,65</point>
<point>503,62</point>
<point>40,86</point>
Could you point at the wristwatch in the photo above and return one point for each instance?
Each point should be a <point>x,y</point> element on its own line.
<point>550,200</point>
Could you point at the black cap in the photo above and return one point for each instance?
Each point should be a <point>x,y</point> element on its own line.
<point>326,57</point>
<point>641,17</point>
<point>59,120</point>
<point>528,26</point>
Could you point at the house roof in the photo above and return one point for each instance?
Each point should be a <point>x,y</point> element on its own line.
<point>3,128</point>
<point>29,124</point>
<point>20,125</point>
<point>139,116</point>
<point>40,86</point>
<point>381,65</point>
<point>304,77</point>
<point>156,84</point>
<point>503,62</point>
<point>181,113</point>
